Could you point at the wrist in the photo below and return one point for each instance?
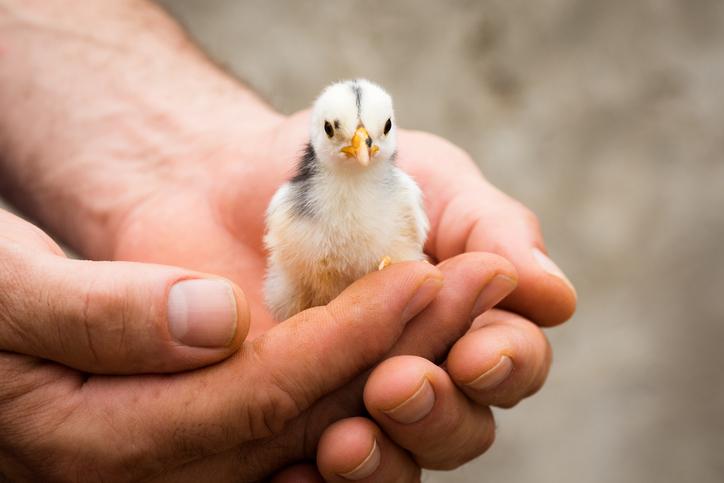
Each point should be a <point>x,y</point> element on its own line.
<point>91,122</point>
<point>85,199</point>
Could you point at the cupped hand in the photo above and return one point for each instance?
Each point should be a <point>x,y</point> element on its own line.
<point>207,212</point>
<point>132,165</point>
<point>209,215</point>
<point>65,323</point>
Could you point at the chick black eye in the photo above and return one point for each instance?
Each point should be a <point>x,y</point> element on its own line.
<point>328,129</point>
<point>388,126</point>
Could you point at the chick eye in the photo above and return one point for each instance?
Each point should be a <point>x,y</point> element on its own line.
<point>388,126</point>
<point>328,129</point>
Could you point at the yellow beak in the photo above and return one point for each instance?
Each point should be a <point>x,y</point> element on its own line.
<point>361,147</point>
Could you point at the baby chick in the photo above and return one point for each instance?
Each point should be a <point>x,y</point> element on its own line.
<point>348,210</point>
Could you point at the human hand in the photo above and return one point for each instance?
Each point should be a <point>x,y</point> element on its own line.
<point>65,323</point>
<point>503,358</point>
<point>192,219</point>
<point>188,182</point>
<point>211,209</point>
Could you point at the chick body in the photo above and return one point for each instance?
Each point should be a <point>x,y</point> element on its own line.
<point>348,223</point>
<point>348,207</point>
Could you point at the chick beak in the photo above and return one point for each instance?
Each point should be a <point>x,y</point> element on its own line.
<point>361,147</point>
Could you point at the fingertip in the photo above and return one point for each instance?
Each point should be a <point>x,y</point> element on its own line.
<point>482,359</point>
<point>412,399</point>
<point>355,449</point>
<point>400,388</point>
<point>504,360</point>
<point>501,279</point>
<point>349,450</point>
<point>544,293</point>
<point>544,299</point>
<point>548,265</point>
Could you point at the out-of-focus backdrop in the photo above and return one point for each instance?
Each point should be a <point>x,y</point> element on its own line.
<point>607,119</point>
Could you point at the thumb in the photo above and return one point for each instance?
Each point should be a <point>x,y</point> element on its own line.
<point>281,373</point>
<point>118,317</point>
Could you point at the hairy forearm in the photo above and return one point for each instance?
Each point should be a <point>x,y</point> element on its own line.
<point>97,99</point>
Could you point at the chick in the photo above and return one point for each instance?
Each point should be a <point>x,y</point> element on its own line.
<point>348,210</point>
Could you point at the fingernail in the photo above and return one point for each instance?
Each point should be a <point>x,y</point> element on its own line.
<point>493,377</point>
<point>424,295</point>
<point>549,266</point>
<point>495,291</point>
<point>368,466</point>
<point>202,313</point>
<point>416,406</point>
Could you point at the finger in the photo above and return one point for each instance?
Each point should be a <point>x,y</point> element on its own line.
<point>16,233</point>
<point>469,214</point>
<point>474,283</point>
<point>413,399</point>
<point>298,474</point>
<point>503,360</point>
<point>355,449</point>
<point>464,295</point>
<point>116,317</point>
<point>487,220</point>
<point>271,381</point>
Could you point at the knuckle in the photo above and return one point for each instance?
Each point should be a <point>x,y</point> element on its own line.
<point>103,319</point>
<point>530,219</point>
<point>269,412</point>
<point>272,404</point>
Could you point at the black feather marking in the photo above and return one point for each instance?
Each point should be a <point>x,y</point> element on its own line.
<point>393,158</point>
<point>301,183</point>
<point>307,165</point>
<point>357,90</point>
<point>336,124</point>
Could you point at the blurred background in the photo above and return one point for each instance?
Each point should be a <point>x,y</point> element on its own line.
<point>607,119</point>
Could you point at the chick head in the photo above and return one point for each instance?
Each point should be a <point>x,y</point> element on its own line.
<point>353,123</point>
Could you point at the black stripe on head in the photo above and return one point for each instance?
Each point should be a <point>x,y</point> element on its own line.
<point>357,91</point>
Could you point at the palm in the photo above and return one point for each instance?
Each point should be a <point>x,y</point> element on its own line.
<point>214,221</point>
<point>216,224</point>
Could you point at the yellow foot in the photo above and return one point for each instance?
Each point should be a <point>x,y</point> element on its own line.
<point>386,262</point>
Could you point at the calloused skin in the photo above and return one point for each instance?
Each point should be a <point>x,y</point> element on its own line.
<point>188,188</point>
